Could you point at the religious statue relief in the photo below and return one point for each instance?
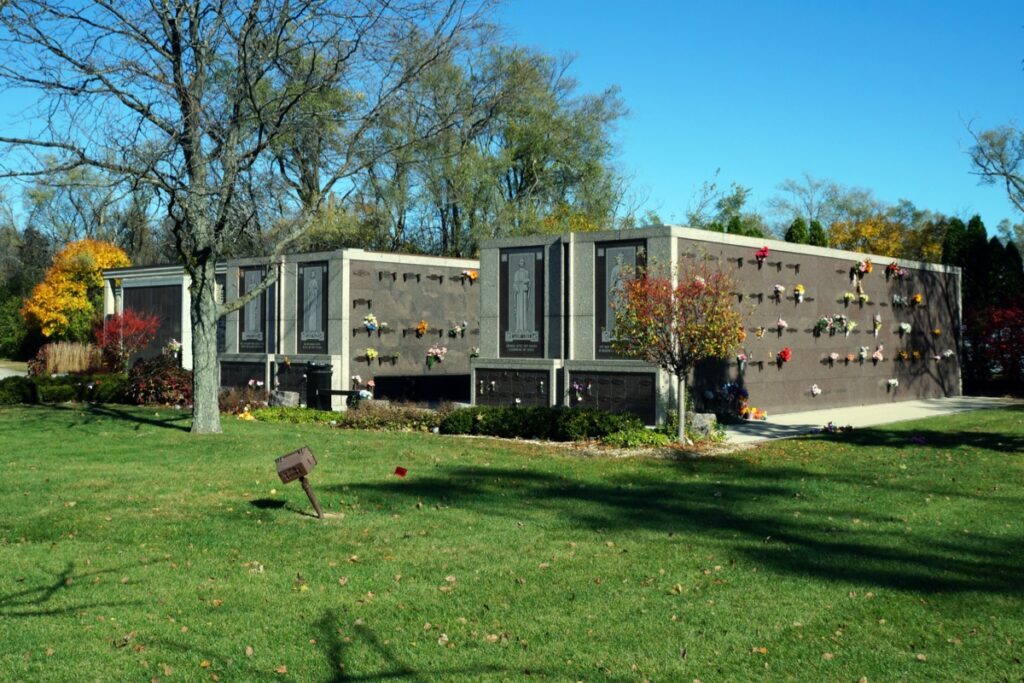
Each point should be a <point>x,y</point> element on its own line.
<point>252,322</point>
<point>522,302</point>
<point>312,304</point>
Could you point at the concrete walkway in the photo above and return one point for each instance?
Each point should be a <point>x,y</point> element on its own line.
<point>795,424</point>
<point>4,372</point>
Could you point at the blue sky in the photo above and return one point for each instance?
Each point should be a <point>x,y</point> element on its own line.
<point>869,94</point>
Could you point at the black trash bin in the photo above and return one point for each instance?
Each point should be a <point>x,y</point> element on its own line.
<point>318,386</point>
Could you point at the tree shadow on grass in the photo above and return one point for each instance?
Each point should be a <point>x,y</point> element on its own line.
<point>162,417</point>
<point>34,601</point>
<point>335,646</point>
<point>911,438</point>
<point>750,508</point>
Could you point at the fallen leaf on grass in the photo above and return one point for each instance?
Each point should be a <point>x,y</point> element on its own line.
<point>168,670</point>
<point>281,669</point>
<point>342,581</point>
<point>249,651</point>
<point>49,652</point>
<point>491,638</point>
<point>827,656</point>
<point>218,602</point>
<point>443,640</point>
<point>759,650</point>
<point>921,657</point>
<point>205,664</point>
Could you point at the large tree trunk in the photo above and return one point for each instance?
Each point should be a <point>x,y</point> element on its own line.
<point>205,373</point>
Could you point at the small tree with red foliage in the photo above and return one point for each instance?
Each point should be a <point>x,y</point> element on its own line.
<point>676,320</point>
<point>1001,338</point>
<point>122,336</point>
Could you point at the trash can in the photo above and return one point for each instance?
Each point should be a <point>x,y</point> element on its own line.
<point>318,386</point>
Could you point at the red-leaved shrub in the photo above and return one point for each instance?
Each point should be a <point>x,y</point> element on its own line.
<point>159,380</point>
<point>122,336</point>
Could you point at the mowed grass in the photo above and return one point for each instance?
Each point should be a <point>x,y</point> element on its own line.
<point>131,550</point>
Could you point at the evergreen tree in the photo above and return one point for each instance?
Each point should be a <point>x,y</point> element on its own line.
<point>797,232</point>
<point>817,236</point>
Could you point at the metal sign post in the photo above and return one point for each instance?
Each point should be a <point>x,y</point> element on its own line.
<point>296,465</point>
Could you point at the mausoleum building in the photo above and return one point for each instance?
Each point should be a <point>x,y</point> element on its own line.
<point>860,329</point>
<point>409,323</point>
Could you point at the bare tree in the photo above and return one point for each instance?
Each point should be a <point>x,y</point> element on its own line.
<point>194,97</point>
<point>998,157</point>
<point>810,198</point>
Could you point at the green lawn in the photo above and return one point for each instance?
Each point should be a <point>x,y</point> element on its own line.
<point>130,550</point>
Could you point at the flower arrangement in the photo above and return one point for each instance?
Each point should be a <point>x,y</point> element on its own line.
<point>741,361</point>
<point>759,331</point>
<point>356,380</point>
<point>474,352</point>
<point>850,357</point>
<point>899,301</point>
<point>370,322</point>
<point>905,328</point>
<point>848,297</point>
<point>893,383</point>
<point>471,275</point>
<point>778,291</point>
<point>917,299</point>
<point>916,355</point>
<point>851,325</point>
<point>421,328</point>
<point>781,324</point>
<point>173,347</point>
<point>798,293</point>
<point>458,330</point>
<point>877,355</point>
<point>863,298</point>
<point>903,355</point>
<point>752,413</point>
<point>876,323</point>
<point>833,357</point>
<point>370,353</point>
<point>785,355</point>
<point>825,324</point>
<point>894,270</point>
<point>841,323</point>
<point>863,353</point>
<point>371,385</point>
<point>815,390</point>
<point>435,354</point>
<point>578,389</point>
<point>255,384</point>
<point>395,356</point>
<point>865,267</point>
<point>936,331</point>
<point>761,255</point>
<point>948,353</point>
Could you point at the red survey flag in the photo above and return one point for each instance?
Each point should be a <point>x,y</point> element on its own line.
<point>401,471</point>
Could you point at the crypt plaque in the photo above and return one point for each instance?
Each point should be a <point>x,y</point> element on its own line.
<point>311,307</point>
<point>614,261</point>
<point>252,323</point>
<point>522,303</point>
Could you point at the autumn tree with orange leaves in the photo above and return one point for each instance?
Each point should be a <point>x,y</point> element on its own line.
<point>66,303</point>
<point>677,320</point>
